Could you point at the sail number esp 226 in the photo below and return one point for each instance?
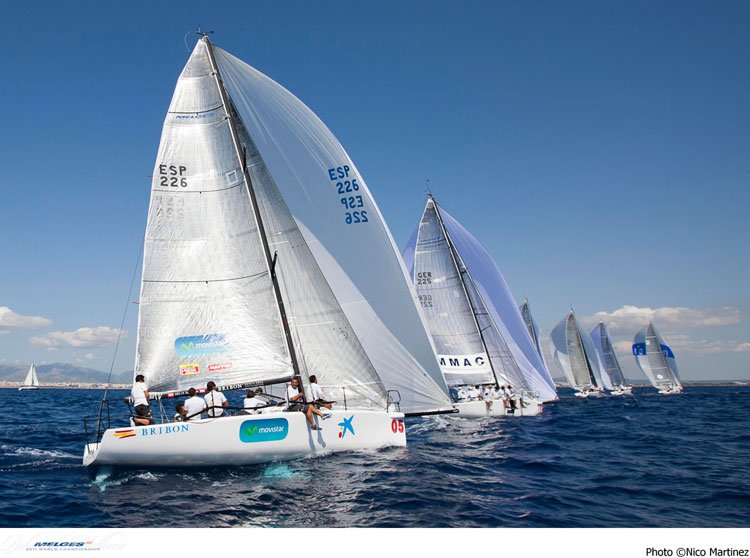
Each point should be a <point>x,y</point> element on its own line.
<point>348,188</point>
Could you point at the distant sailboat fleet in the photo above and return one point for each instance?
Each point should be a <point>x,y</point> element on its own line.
<point>267,264</point>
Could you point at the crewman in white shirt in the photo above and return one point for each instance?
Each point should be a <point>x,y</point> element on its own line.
<point>295,402</point>
<point>139,393</point>
<point>214,399</point>
<point>194,406</point>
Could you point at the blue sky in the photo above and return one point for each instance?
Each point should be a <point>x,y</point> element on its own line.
<point>598,149</point>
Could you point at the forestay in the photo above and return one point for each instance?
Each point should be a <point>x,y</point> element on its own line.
<point>499,302</point>
<point>341,225</point>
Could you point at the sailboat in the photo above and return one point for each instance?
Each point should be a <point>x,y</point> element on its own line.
<point>608,361</point>
<point>656,360</point>
<point>472,318</point>
<point>528,319</point>
<point>31,381</point>
<point>266,259</point>
<point>575,354</point>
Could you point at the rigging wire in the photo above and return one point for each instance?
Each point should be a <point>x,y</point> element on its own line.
<point>119,335</point>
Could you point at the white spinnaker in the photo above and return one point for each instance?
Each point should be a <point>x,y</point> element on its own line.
<point>610,363</point>
<point>528,319</point>
<point>447,308</point>
<point>501,306</point>
<point>207,309</point>
<point>31,379</point>
<point>343,227</point>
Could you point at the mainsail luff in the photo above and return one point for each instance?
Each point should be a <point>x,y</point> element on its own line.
<point>461,275</point>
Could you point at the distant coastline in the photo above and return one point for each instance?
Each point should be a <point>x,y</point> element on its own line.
<point>68,385</point>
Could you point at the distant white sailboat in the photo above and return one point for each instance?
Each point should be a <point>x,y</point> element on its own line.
<point>575,354</point>
<point>31,381</point>
<point>608,360</point>
<point>656,360</point>
<point>460,300</point>
<point>266,259</point>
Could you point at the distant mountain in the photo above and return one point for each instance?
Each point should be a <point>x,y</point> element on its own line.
<point>61,372</point>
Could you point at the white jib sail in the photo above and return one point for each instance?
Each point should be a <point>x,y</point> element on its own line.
<point>344,230</point>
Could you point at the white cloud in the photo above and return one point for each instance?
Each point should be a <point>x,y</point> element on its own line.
<point>632,318</point>
<point>89,356</point>
<point>87,337</point>
<point>8,318</point>
<point>4,331</point>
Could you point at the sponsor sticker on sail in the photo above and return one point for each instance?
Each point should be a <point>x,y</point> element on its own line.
<point>188,369</point>
<point>217,367</point>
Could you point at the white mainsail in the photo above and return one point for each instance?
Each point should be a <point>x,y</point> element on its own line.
<point>655,359</point>
<point>31,380</point>
<point>610,364</point>
<point>575,354</point>
<point>510,348</point>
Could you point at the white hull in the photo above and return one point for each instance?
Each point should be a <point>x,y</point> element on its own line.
<point>622,391</point>
<point>245,439</point>
<point>27,387</point>
<point>670,391</point>
<point>589,394</point>
<point>478,409</point>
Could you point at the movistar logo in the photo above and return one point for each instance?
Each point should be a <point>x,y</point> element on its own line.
<point>263,430</point>
<point>200,345</point>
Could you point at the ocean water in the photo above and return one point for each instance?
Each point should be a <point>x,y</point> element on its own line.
<point>640,461</point>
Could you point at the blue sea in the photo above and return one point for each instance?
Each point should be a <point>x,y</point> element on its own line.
<point>640,461</point>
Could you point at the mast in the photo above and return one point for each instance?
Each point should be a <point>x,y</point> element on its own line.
<point>452,251</point>
<point>270,260</point>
